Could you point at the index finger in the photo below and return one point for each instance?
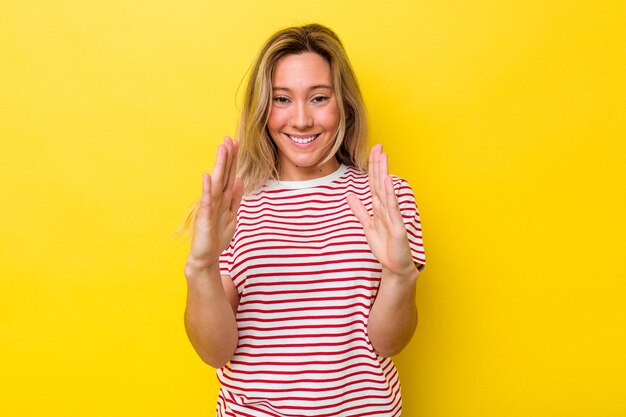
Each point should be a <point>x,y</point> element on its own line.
<point>217,175</point>
<point>232,172</point>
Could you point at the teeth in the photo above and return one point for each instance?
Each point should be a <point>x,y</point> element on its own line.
<point>303,141</point>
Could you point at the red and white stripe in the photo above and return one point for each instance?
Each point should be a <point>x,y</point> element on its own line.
<point>307,280</point>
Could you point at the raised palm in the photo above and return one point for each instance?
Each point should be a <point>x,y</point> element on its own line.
<point>217,214</point>
<point>384,229</point>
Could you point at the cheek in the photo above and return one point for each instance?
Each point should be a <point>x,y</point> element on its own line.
<point>330,117</point>
<point>274,121</point>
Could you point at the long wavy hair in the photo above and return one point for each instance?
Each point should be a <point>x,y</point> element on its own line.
<point>257,160</point>
<point>258,155</point>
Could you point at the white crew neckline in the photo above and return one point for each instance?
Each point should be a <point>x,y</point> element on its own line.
<point>316,182</point>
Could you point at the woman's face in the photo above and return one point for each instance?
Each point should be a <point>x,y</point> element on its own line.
<point>304,116</point>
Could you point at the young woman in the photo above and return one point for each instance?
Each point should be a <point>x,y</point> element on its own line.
<point>303,263</point>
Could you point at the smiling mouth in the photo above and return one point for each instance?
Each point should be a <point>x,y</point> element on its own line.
<point>303,140</point>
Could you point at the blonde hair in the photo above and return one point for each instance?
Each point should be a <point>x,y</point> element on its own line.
<point>258,155</point>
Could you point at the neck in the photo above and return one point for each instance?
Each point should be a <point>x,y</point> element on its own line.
<point>297,173</point>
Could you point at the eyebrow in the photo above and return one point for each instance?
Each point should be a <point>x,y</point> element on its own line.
<point>313,87</point>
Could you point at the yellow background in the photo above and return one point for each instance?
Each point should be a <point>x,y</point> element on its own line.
<point>508,119</point>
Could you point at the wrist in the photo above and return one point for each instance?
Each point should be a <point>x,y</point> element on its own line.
<point>406,276</point>
<point>195,267</point>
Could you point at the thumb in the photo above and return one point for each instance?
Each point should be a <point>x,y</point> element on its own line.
<point>359,210</point>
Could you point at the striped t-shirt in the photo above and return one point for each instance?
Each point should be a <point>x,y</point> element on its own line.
<point>307,279</point>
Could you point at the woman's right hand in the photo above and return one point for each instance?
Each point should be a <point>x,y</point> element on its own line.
<point>217,215</point>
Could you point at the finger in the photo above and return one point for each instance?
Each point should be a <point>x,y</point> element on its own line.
<point>382,178</point>
<point>393,209</point>
<point>217,174</point>
<point>371,171</point>
<point>232,172</point>
<point>359,211</point>
<point>231,175</point>
<point>375,183</point>
<point>228,145</point>
<point>205,202</point>
<point>205,198</point>
<point>371,175</point>
<point>237,194</point>
<point>370,166</point>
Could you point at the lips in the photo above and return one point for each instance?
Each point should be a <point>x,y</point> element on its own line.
<point>302,139</point>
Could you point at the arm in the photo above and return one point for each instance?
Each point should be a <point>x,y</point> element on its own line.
<point>210,314</point>
<point>393,316</point>
<point>212,300</point>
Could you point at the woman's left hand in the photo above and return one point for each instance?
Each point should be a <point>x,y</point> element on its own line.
<point>384,229</point>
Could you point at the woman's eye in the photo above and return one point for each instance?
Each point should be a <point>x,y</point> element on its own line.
<point>320,99</point>
<point>281,100</point>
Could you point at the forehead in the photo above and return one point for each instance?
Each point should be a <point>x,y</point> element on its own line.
<point>301,70</point>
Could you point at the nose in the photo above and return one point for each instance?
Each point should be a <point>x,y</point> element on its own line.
<point>301,117</point>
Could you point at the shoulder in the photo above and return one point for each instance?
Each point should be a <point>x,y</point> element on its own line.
<point>404,193</point>
<point>400,184</point>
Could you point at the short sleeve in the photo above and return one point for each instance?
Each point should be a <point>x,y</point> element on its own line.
<point>411,217</point>
<point>226,260</point>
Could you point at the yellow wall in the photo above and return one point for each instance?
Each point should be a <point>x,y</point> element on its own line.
<point>506,117</point>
